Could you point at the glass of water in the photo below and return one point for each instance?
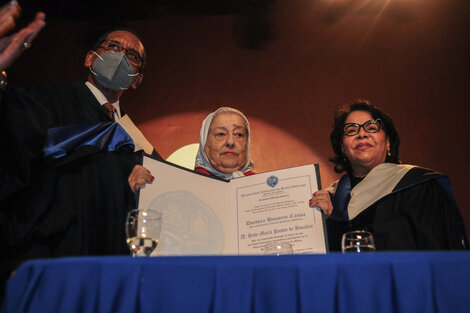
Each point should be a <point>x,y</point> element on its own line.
<point>143,229</point>
<point>277,248</point>
<point>357,241</point>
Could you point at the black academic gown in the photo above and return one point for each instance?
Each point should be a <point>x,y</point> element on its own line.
<point>419,214</point>
<point>72,206</point>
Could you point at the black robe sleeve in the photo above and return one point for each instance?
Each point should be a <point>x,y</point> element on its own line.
<point>24,124</point>
<point>421,217</point>
<point>73,206</point>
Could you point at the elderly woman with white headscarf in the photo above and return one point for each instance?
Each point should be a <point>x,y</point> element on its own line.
<point>224,145</point>
<point>224,149</point>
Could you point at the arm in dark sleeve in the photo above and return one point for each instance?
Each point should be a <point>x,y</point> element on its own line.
<point>439,225</point>
<point>24,124</point>
<point>421,217</point>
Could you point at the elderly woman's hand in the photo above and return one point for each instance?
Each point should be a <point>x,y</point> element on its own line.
<point>322,200</point>
<point>138,177</point>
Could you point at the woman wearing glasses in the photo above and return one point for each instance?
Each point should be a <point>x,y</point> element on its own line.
<point>405,207</point>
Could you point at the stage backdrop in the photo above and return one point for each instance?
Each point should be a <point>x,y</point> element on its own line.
<point>288,65</point>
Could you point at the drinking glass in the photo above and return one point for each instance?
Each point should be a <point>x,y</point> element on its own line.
<point>357,241</point>
<point>143,229</point>
<point>277,248</point>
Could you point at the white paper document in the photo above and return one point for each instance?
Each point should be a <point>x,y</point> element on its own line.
<point>203,215</point>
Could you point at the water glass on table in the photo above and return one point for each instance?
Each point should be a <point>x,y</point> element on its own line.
<point>357,241</point>
<point>143,229</point>
<point>277,248</point>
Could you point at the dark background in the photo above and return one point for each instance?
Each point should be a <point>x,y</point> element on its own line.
<point>287,65</point>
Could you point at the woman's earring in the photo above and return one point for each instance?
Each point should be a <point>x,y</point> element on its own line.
<point>388,153</point>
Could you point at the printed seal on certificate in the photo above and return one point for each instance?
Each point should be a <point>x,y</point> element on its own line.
<point>272,181</point>
<point>190,226</point>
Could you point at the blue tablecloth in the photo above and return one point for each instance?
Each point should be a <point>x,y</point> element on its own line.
<point>374,282</point>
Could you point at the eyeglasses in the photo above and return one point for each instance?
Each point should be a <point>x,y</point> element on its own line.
<point>132,55</point>
<point>371,126</point>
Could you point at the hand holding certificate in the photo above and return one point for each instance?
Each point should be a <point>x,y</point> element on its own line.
<point>209,216</point>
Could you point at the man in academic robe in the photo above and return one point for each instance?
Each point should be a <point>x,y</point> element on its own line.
<point>68,152</point>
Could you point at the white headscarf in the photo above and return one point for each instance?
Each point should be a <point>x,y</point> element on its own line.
<point>201,157</point>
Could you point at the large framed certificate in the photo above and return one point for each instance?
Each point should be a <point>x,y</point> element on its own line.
<point>204,215</point>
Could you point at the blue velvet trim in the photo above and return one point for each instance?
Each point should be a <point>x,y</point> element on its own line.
<point>341,199</point>
<point>108,136</point>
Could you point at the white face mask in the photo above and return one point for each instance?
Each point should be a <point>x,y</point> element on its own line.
<point>113,70</point>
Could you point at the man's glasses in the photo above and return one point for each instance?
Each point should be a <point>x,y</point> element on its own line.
<point>132,55</point>
<point>371,126</point>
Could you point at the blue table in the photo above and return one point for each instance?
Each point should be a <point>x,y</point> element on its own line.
<point>375,282</point>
